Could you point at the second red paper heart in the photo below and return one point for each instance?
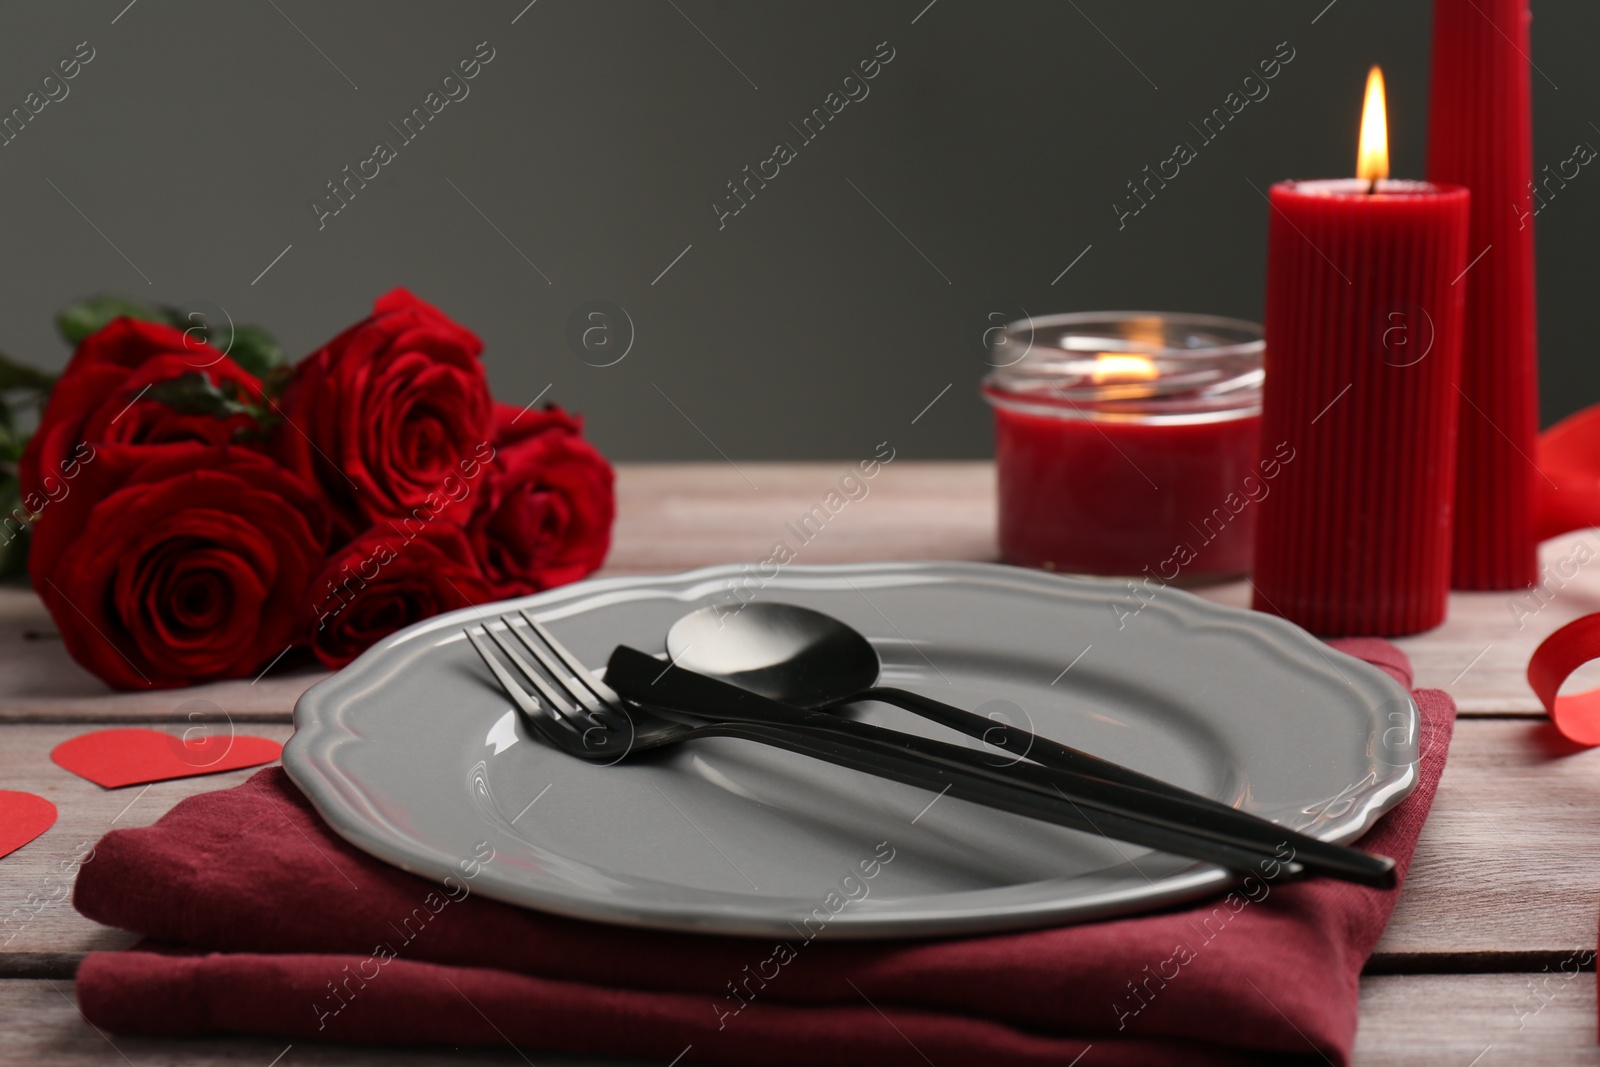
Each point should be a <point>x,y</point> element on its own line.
<point>134,756</point>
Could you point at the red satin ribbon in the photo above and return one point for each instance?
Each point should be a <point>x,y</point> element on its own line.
<point>1569,499</point>
<point>1578,715</point>
<point>1569,457</point>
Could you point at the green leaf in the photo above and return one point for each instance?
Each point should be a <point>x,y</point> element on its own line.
<point>14,375</point>
<point>256,350</point>
<point>84,317</point>
<point>13,541</point>
<point>276,380</point>
<point>194,393</point>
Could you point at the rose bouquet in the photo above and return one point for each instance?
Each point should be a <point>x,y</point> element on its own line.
<point>196,510</point>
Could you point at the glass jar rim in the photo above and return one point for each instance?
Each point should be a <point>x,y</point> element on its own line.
<point>1129,365</point>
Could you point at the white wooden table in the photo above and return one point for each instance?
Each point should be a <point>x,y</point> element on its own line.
<point>1504,890</point>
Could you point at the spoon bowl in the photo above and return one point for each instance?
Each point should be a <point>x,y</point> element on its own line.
<point>782,651</point>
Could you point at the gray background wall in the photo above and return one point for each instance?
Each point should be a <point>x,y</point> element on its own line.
<point>826,315</point>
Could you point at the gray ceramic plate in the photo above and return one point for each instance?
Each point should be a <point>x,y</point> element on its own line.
<point>412,755</point>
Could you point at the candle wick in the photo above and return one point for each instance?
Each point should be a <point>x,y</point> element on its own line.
<point>1372,186</point>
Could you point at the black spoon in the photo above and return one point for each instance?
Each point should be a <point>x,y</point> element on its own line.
<point>811,660</point>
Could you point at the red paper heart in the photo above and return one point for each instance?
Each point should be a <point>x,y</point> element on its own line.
<point>115,758</point>
<point>23,817</point>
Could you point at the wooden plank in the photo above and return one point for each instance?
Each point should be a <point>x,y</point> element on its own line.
<point>680,516</point>
<point>40,682</point>
<point>1504,874</point>
<point>1480,655</point>
<point>42,1026</point>
<point>1508,859</point>
<point>675,517</point>
<point>1481,652</point>
<point>1479,1020</point>
<point>1485,1020</point>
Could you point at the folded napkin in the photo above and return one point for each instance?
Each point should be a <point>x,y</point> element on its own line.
<point>261,920</point>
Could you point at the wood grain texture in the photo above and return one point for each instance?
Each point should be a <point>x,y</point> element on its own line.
<point>39,682</point>
<point>41,1025</point>
<point>1481,652</point>
<point>1489,1020</point>
<point>675,517</point>
<point>1509,861</point>
<point>1479,1020</point>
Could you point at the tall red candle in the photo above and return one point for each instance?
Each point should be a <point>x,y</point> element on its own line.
<point>1480,135</point>
<point>1363,343</point>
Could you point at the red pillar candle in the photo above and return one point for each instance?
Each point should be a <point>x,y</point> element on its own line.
<point>1480,135</point>
<point>1363,337</point>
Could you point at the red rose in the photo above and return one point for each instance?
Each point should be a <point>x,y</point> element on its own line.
<point>387,579</point>
<point>171,564</point>
<point>102,398</point>
<point>546,517</point>
<point>387,416</point>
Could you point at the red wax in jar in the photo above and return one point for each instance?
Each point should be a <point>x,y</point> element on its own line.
<point>1129,443</point>
<point>1093,497</point>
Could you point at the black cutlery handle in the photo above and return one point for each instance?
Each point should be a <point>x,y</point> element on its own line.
<point>1047,753</point>
<point>910,769</point>
<point>1026,745</point>
<point>679,691</point>
<point>1099,806</point>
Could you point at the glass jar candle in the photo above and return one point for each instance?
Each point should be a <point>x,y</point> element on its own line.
<point>1129,443</point>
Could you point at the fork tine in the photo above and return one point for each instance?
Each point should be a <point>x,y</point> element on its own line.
<point>545,725</point>
<point>584,698</point>
<point>560,708</point>
<point>584,677</point>
<point>521,696</point>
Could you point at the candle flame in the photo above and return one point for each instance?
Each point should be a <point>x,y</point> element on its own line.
<point>1372,160</point>
<point>1114,366</point>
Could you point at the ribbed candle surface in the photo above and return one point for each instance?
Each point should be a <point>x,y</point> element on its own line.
<point>1480,135</point>
<point>1363,335</point>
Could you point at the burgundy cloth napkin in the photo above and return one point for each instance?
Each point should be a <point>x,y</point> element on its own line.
<point>260,920</point>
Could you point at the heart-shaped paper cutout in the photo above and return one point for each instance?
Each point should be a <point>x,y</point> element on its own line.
<point>115,758</point>
<point>23,817</point>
